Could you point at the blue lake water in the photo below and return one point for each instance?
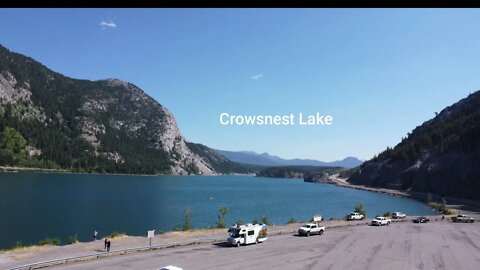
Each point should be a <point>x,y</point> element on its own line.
<point>34,206</point>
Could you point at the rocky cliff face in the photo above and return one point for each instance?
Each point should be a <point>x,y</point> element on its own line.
<point>107,125</point>
<point>441,156</point>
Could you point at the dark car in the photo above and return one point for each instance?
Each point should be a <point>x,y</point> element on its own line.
<point>421,220</point>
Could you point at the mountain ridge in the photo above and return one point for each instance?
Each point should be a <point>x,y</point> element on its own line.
<point>49,120</point>
<point>440,156</point>
<point>265,159</point>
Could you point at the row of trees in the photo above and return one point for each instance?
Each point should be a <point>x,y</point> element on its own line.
<point>221,222</point>
<point>223,211</point>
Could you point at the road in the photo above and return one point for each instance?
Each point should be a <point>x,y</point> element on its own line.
<point>436,245</point>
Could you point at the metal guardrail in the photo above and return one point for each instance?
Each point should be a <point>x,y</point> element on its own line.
<point>99,255</point>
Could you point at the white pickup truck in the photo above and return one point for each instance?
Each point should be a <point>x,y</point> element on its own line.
<point>355,216</point>
<point>311,228</point>
<point>463,218</point>
<point>380,221</point>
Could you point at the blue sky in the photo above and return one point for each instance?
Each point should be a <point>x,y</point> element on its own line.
<point>378,72</point>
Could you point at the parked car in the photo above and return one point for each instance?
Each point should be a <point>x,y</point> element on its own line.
<point>311,228</point>
<point>463,218</point>
<point>398,215</point>
<point>421,220</point>
<point>380,221</point>
<point>355,216</point>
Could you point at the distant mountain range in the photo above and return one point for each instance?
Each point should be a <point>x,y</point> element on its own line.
<point>265,159</point>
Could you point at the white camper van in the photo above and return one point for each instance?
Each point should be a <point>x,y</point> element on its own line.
<point>247,234</point>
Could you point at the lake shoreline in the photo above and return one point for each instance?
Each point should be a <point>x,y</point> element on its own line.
<point>452,202</point>
<point>17,169</point>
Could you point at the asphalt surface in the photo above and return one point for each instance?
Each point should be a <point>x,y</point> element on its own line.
<point>435,245</point>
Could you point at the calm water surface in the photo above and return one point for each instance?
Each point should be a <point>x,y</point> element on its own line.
<point>34,206</point>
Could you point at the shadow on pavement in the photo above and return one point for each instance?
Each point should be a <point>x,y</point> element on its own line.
<point>222,244</point>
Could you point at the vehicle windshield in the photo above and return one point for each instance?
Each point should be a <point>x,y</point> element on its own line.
<point>235,233</point>
<point>306,226</point>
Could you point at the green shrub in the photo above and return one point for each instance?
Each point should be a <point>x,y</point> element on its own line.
<point>291,220</point>
<point>50,241</point>
<point>441,208</point>
<point>221,217</point>
<point>72,239</point>
<point>18,244</point>
<point>359,208</point>
<point>266,220</point>
<point>116,234</point>
<point>187,220</point>
<point>387,214</point>
<point>239,222</point>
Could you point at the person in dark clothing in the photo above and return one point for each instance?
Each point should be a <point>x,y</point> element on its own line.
<point>106,242</point>
<point>108,245</point>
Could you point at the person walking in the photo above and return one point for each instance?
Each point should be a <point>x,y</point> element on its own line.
<point>95,234</point>
<point>108,245</point>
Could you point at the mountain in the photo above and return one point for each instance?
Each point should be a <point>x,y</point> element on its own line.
<point>52,121</point>
<point>441,156</point>
<point>249,157</point>
<point>217,161</point>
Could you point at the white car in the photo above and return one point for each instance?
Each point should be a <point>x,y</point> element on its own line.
<point>398,215</point>
<point>355,216</point>
<point>311,228</point>
<point>463,218</point>
<point>380,221</point>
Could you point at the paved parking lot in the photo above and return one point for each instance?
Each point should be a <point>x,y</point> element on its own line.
<point>436,245</point>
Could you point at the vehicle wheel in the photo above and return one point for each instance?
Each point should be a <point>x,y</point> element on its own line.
<point>238,244</point>
<point>388,223</point>
<point>308,234</point>
<point>321,232</point>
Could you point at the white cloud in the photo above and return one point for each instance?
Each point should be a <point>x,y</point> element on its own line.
<point>256,77</point>
<point>107,24</point>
